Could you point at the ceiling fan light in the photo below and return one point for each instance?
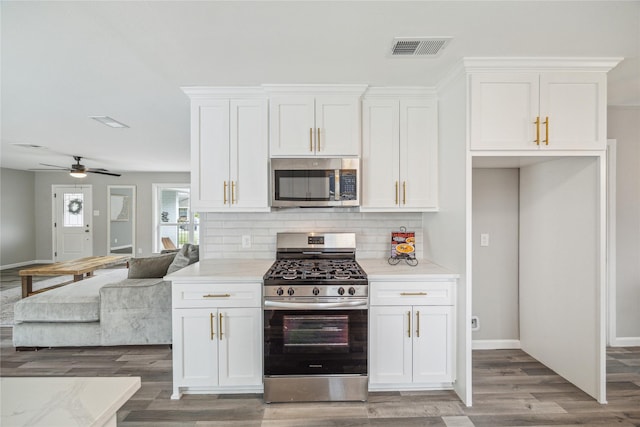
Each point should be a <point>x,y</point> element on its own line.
<point>78,174</point>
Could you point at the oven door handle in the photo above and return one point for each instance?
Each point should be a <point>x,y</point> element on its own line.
<point>312,305</point>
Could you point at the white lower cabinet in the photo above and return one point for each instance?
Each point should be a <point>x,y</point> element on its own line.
<point>216,349</point>
<point>411,344</point>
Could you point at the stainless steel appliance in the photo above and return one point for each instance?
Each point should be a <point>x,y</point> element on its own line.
<point>315,182</point>
<point>315,320</point>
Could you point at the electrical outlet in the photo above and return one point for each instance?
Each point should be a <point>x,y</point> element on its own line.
<point>475,323</point>
<point>246,241</point>
<point>484,239</point>
<point>139,250</point>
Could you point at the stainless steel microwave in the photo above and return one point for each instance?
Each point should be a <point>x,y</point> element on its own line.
<point>315,182</point>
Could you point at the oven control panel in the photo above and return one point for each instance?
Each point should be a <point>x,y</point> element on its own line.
<point>316,291</point>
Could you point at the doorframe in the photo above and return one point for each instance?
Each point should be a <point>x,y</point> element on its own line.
<point>54,238</point>
<point>612,335</point>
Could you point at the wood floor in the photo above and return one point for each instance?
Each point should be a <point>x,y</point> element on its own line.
<point>510,389</point>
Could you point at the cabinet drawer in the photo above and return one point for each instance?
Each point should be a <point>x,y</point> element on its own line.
<point>186,294</point>
<point>412,293</point>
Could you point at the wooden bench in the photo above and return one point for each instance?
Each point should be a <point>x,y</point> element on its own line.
<point>79,268</point>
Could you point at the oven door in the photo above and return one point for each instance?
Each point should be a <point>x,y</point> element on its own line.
<point>324,341</point>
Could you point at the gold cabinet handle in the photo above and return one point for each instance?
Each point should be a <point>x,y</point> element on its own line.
<point>537,123</point>
<point>396,192</point>
<point>417,324</point>
<point>220,328</point>
<point>409,322</point>
<point>233,192</point>
<point>318,140</point>
<point>224,192</point>
<point>211,328</point>
<point>216,296</point>
<point>413,294</point>
<point>404,192</point>
<point>311,139</point>
<point>546,131</point>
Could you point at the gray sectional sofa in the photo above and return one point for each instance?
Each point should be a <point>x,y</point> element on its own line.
<point>116,307</point>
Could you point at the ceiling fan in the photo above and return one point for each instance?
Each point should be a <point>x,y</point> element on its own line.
<point>80,171</point>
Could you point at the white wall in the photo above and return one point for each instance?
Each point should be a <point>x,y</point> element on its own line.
<point>17,218</point>
<point>495,267</point>
<point>221,233</point>
<point>144,208</point>
<point>624,127</point>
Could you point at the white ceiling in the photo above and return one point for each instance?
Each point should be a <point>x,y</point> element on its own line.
<point>65,61</point>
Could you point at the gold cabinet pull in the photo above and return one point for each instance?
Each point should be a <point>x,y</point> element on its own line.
<point>318,140</point>
<point>404,192</point>
<point>220,328</point>
<point>311,139</point>
<point>396,192</point>
<point>537,123</point>
<point>233,192</point>
<point>413,294</point>
<point>224,192</point>
<point>417,324</point>
<point>216,296</point>
<point>211,326</point>
<point>546,130</point>
<point>409,322</point>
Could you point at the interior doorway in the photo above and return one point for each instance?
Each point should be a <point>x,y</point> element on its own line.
<point>72,222</point>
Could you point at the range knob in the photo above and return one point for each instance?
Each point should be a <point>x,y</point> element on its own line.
<point>316,291</point>
<point>352,290</point>
<point>340,290</point>
<point>290,291</point>
<point>279,291</point>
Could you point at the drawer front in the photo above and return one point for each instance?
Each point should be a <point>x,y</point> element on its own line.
<point>412,293</point>
<point>192,295</point>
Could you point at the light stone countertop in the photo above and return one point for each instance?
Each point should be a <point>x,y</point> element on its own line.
<point>244,270</point>
<point>64,401</point>
<point>223,270</point>
<point>380,269</point>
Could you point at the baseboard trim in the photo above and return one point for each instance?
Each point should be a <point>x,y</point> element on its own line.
<point>625,342</point>
<point>495,344</point>
<point>22,264</point>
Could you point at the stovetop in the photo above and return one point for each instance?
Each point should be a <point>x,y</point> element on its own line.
<point>315,271</point>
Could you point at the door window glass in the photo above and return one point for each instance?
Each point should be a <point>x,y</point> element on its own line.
<point>73,206</point>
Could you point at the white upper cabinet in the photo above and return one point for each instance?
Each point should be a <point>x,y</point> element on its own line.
<point>550,104</point>
<point>314,120</point>
<point>229,150</point>
<point>400,153</point>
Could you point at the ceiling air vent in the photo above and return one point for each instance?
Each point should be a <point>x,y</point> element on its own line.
<point>418,46</point>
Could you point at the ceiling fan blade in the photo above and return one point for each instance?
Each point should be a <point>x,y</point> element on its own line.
<point>48,170</point>
<point>102,172</point>
<point>55,166</point>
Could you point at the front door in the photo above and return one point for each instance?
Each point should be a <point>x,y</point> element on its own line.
<point>73,227</point>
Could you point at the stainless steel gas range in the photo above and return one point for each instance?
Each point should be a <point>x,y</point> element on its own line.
<point>315,320</point>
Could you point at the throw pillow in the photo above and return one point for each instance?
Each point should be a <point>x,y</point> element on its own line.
<point>150,267</point>
<point>187,255</point>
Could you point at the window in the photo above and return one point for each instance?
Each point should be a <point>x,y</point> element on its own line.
<point>174,222</point>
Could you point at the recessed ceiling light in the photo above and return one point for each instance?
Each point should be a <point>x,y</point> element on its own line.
<point>106,120</point>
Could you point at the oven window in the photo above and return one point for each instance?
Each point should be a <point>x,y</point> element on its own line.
<point>308,333</point>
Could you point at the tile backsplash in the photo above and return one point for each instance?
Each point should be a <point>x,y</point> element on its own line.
<point>221,233</point>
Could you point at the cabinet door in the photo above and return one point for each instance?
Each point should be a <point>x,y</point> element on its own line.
<point>390,339</point>
<point>195,348</point>
<point>504,107</point>
<point>248,154</point>
<point>292,128</point>
<point>240,342</point>
<point>380,153</point>
<point>337,126</point>
<point>575,104</point>
<point>418,154</point>
<point>209,154</point>
<point>432,344</point>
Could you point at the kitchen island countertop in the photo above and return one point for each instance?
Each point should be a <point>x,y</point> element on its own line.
<point>380,269</point>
